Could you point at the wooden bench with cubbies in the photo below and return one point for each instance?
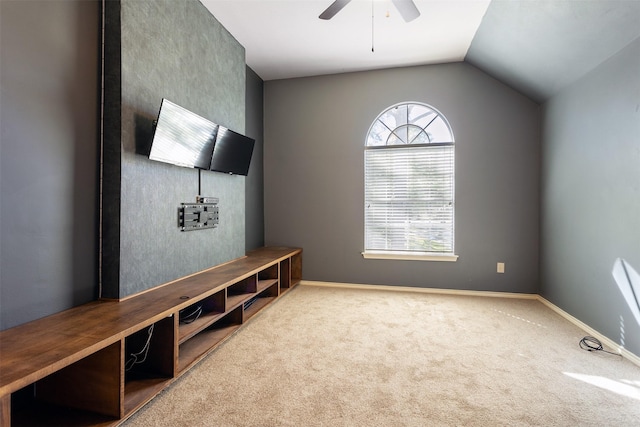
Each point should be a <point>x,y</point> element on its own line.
<point>98,363</point>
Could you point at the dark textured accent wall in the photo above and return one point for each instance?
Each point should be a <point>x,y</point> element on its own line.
<point>254,200</point>
<point>315,130</point>
<point>178,51</point>
<point>591,195</point>
<point>111,152</point>
<point>49,109</point>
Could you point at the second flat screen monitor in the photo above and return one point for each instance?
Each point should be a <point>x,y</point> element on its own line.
<point>232,152</point>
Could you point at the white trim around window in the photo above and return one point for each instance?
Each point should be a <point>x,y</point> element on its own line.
<point>410,256</point>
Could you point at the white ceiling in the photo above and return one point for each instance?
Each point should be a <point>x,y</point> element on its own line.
<point>285,38</point>
<point>535,46</point>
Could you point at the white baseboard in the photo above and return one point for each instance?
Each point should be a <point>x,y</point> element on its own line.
<point>592,332</point>
<point>420,290</point>
<point>589,330</point>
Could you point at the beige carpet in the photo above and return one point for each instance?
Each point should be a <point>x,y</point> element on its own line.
<point>342,357</point>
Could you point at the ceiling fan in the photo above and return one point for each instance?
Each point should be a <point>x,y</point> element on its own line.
<point>407,9</point>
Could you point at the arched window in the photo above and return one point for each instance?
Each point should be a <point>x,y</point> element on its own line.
<point>409,184</point>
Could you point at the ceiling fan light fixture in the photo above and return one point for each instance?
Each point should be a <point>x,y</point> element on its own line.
<point>407,9</point>
<point>333,8</point>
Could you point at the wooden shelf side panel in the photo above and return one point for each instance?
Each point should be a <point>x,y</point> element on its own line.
<point>92,383</point>
<point>215,303</point>
<point>5,410</point>
<point>285,273</point>
<point>296,268</point>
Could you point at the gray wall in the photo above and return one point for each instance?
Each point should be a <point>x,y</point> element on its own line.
<point>178,51</point>
<point>254,192</point>
<point>591,195</point>
<point>314,136</point>
<point>48,158</point>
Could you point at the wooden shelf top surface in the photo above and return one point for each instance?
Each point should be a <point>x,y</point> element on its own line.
<point>33,350</point>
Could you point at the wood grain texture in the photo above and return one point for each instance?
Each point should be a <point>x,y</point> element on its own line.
<point>5,410</point>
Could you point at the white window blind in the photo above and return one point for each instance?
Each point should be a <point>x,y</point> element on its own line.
<point>409,195</point>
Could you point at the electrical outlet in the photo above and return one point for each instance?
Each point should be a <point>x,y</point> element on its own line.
<point>500,267</point>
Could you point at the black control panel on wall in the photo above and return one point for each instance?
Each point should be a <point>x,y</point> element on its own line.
<point>198,216</point>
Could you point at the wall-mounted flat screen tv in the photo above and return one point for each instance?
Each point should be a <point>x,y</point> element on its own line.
<point>182,138</point>
<point>232,152</point>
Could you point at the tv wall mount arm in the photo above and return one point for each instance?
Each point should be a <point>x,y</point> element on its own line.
<point>198,216</point>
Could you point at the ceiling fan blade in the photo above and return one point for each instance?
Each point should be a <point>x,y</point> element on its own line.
<point>334,8</point>
<point>407,8</point>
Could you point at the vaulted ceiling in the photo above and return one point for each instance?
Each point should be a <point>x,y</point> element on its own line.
<point>537,47</point>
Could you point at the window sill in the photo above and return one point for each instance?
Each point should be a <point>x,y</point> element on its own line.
<point>410,256</point>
